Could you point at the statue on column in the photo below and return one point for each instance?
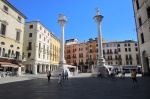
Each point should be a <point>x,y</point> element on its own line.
<point>97,11</point>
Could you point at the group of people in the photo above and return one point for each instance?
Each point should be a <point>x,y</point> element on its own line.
<point>114,72</point>
<point>63,76</point>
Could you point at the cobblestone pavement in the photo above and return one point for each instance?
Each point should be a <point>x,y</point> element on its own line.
<point>79,87</point>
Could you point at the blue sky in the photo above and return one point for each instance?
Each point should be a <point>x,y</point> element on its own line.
<point>118,22</point>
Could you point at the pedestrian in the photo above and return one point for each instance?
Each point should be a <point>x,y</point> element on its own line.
<point>113,74</point>
<point>60,80</point>
<point>66,75</point>
<point>122,74</point>
<point>48,75</point>
<point>133,74</point>
<point>63,75</point>
<point>99,74</point>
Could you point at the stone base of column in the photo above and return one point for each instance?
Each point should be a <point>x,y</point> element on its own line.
<point>102,69</point>
<point>62,67</point>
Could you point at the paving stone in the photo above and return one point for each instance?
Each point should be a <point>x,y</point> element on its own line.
<point>81,86</point>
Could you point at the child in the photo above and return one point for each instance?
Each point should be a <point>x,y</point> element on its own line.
<point>60,80</point>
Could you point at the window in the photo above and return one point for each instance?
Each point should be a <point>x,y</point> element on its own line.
<point>140,22</point>
<point>29,54</point>
<point>2,43</point>
<point>135,44</point>
<point>3,29</point>
<point>30,34</point>
<point>5,8</point>
<point>31,26</point>
<point>127,62</point>
<point>90,45</point>
<point>18,47</point>
<point>126,57</point>
<point>148,12</point>
<point>11,46</point>
<point>40,27</point>
<point>30,46</point>
<point>119,50</point>
<point>110,45</point>
<point>137,4</point>
<point>129,49</point>
<point>96,45</point>
<point>19,18</point>
<point>18,36</point>
<point>130,62</point>
<point>125,49</point>
<point>136,49</point>
<point>118,45</point>
<point>142,38</point>
<point>125,44</point>
<point>138,62</point>
<point>128,44</point>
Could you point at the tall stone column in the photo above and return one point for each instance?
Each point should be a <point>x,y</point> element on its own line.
<point>62,21</point>
<point>98,18</point>
<point>100,61</point>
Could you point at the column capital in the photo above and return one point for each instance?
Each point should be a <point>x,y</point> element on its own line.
<point>98,18</point>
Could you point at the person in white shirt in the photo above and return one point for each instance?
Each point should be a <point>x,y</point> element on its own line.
<point>60,80</point>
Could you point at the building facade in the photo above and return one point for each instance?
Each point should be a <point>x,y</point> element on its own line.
<point>11,37</point>
<point>119,54</point>
<point>36,47</point>
<point>142,20</point>
<point>54,52</point>
<point>128,54</point>
<point>76,54</point>
<point>110,53</point>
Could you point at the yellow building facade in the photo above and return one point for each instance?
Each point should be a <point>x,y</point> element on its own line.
<point>54,51</point>
<point>11,37</point>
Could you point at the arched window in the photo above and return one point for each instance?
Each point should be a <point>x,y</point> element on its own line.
<point>12,53</point>
<point>3,52</point>
<point>9,51</point>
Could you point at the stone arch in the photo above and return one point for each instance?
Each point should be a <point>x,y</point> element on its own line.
<point>145,62</point>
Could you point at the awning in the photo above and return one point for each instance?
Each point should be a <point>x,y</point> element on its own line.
<point>129,67</point>
<point>7,64</point>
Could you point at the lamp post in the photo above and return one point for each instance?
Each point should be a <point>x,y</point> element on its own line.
<point>62,20</point>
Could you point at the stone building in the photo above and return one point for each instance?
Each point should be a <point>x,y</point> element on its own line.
<point>128,55</point>
<point>36,47</point>
<point>11,37</point>
<point>142,19</point>
<point>110,53</point>
<point>54,52</point>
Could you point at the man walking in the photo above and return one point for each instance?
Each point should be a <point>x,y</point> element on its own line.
<point>48,75</point>
<point>66,75</point>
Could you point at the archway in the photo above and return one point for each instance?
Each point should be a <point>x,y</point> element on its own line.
<point>146,67</point>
